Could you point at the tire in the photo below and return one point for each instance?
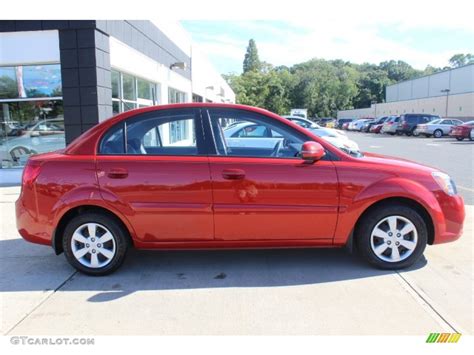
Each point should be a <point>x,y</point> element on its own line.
<point>367,242</point>
<point>408,134</point>
<point>415,132</point>
<point>471,135</point>
<point>113,249</point>
<point>438,133</point>
<point>459,138</point>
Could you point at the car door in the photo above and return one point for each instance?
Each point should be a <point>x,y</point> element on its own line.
<point>153,168</point>
<point>271,195</point>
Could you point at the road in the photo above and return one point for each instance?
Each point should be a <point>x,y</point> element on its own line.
<point>447,154</point>
<point>319,291</point>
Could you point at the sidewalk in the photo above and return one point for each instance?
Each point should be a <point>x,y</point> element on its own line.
<point>318,291</point>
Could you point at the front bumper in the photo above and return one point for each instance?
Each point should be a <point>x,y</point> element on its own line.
<point>449,226</point>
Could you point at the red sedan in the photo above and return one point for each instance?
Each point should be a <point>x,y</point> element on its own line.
<point>376,128</point>
<point>181,176</point>
<point>465,130</point>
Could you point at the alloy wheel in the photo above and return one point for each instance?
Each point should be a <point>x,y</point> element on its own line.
<point>394,238</point>
<point>93,245</point>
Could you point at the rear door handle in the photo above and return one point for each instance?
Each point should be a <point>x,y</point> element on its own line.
<point>233,174</point>
<point>118,173</point>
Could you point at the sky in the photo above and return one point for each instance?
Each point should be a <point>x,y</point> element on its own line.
<point>431,41</point>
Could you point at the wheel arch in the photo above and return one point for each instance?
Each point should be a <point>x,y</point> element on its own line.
<point>403,201</point>
<point>57,236</point>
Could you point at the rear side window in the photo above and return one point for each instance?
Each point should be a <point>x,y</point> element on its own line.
<point>155,133</point>
<point>113,141</point>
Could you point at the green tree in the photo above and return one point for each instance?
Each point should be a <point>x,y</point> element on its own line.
<point>458,60</point>
<point>251,60</point>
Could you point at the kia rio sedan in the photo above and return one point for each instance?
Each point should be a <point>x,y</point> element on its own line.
<point>166,177</point>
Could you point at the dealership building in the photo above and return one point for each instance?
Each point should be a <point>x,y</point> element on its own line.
<point>449,93</point>
<point>59,78</point>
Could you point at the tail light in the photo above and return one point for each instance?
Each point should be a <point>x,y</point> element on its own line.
<point>30,173</point>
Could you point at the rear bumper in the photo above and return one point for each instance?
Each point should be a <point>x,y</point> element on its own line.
<point>29,227</point>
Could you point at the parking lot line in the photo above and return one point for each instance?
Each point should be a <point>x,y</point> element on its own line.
<point>465,188</point>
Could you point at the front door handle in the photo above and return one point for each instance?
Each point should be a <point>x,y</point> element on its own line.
<point>233,174</point>
<point>118,173</point>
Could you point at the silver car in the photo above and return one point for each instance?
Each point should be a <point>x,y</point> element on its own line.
<point>437,128</point>
<point>390,125</point>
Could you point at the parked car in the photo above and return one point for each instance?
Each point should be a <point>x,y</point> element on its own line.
<point>345,125</point>
<point>122,184</point>
<point>264,137</point>
<point>408,122</point>
<point>390,125</point>
<point>357,124</point>
<point>42,136</point>
<point>324,121</point>
<point>437,128</point>
<point>303,122</point>
<point>376,128</point>
<point>465,130</point>
<point>368,124</point>
<point>341,121</point>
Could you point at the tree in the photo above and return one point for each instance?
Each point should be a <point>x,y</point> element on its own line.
<point>251,60</point>
<point>458,60</point>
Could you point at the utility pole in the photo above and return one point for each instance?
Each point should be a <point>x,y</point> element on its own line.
<point>447,98</point>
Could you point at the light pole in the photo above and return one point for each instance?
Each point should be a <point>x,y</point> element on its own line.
<point>374,102</point>
<point>447,97</point>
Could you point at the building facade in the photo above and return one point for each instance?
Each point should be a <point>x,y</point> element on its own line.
<point>449,93</point>
<point>59,78</point>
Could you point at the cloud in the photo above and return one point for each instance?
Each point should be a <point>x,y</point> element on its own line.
<point>349,38</point>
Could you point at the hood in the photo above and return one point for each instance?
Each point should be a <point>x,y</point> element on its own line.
<point>397,164</point>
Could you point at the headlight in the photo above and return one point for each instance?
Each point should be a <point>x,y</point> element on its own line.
<point>445,182</point>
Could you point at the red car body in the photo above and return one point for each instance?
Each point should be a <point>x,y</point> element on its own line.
<point>462,131</point>
<point>171,202</point>
<point>376,128</point>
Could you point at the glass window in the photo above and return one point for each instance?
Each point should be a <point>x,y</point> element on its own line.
<point>115,84</point>
<point>30,81</point>
<point>144,89</point>
<point>116,107</point>
<point>8,85</point>
<point>176,96</point>
<point>30,127</point>
<point>113,141</point>
<point>129,92</point>
<point>39,81</point>
<point>252,131</point>
<point>260,137</point>
<point>163,135</point>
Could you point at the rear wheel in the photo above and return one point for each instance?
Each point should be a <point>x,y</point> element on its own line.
<point>471,135</point>
<point>392,237</point>
<point>95,244</point>
<point>459,138</point>
<point>438,133</point>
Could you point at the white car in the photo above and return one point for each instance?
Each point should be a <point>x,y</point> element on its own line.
<point>238,135</point>
<point>357,125</point>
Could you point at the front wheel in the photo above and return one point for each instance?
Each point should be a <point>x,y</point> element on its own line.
<point>95,244</point>
<point>438,133</point>
<point>392,237</point>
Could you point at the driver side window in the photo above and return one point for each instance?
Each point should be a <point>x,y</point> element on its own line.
<point>253,135</point>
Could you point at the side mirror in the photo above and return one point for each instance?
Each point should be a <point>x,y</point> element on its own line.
<point>312,151</point>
